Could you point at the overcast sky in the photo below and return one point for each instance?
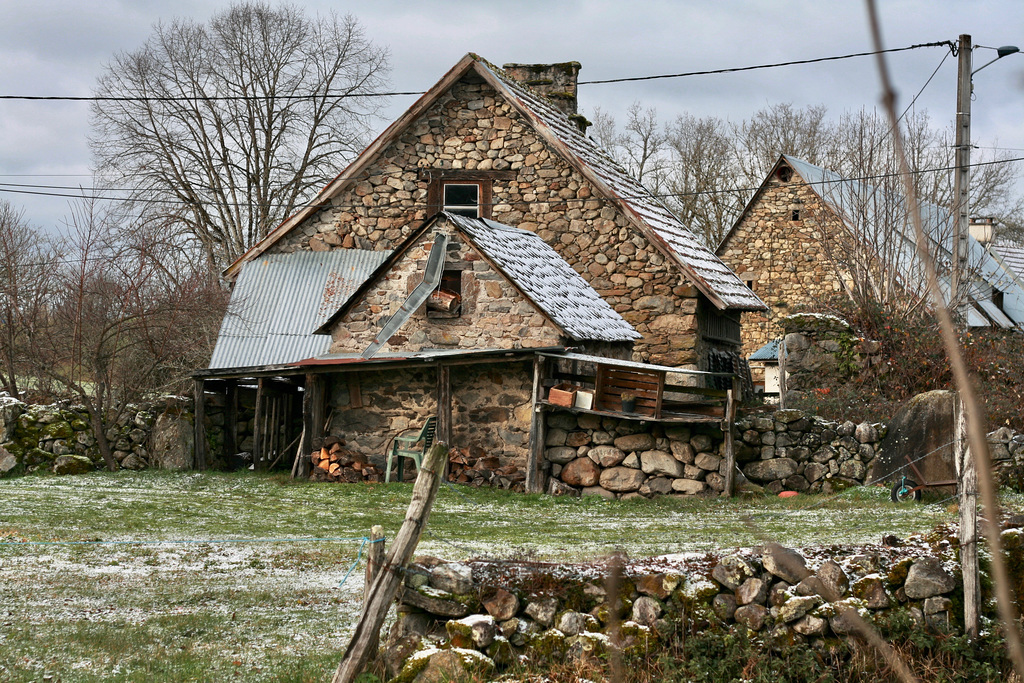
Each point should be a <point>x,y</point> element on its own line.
<point>59,47</point>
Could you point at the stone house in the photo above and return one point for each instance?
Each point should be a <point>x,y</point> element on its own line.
<point>479,152</point>
<point>508,145</point>
<point>513,295</point>
<point>792,244</point>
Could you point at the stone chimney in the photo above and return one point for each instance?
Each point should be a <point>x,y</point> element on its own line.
<point>556,82</point>
<point>983,229</point>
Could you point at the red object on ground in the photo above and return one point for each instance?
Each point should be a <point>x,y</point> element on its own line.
<point>787,494</point>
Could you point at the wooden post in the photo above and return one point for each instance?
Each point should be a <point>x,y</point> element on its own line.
<point>391,575</point>
<point>200,425</point>
<point>967,474</point>
<point>374,560</point>
<point>730,448</point>
<point>230,420</point>
<point>302,464</point>
<point>444,408</point>
<point>782,374</point>
<point>536,447</point>
<point>258,426</point>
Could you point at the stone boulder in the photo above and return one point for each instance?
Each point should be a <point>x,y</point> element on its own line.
<point>72,464</point>
<point>581,472</point>
<point>927,579</point>
<point>659,463</point>
<point>770,470</point>
<point>622,479</point>
<point>924,425</point>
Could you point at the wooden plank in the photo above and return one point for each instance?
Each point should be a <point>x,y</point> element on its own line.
<point>392,572</point>
<point>355,395</point>
<point>200,425</point>
<point>536,447</point>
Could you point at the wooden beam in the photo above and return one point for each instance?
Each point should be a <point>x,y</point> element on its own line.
<point>258,426</point>
<point>374,561</point>
<point>200,425</point>
<point>230,419</point>
<point>444,403</point>
<point>301,466</point>
<point>536,446</point>
<point>392,571</point>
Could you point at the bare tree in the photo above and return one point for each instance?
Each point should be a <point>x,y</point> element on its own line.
<point>779,129</point>
<point>120,325</point>
<point>224,129</point>
<point>26,262</point>
<point>701,181</point>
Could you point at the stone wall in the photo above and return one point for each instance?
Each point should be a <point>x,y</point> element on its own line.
<point>785,261</point>
<point>819,346</point>
<point>59,437</point>
<point>490,409</point>
<point>485,616</point>
<point>472,130</point>
<point>624,458</point>
<point>493,312</point>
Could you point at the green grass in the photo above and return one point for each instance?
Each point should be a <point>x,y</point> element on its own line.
<point>211,610</point>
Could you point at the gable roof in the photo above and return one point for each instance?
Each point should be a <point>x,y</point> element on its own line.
<point>532,267</point>
<point>647,213</point>
<point>545,278</point>
<point>842,195</point>
<point>279,299</point>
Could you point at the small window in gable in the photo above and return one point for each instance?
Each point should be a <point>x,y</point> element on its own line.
<point>446,300</point>
<point>461,198</point>
<point>795,216</point>
<point>749,278</point>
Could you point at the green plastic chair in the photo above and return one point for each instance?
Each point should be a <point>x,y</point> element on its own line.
<point>405,446</point>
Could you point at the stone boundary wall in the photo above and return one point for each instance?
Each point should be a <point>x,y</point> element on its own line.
<point>623,458</point>
<point>818,345</point>
<point>484,616</point>
<point>59,438</point>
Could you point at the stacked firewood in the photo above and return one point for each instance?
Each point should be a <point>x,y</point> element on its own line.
<point>333,462</point>
<point>486,470</point>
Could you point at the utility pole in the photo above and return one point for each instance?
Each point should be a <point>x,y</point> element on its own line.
<point>962,178</point>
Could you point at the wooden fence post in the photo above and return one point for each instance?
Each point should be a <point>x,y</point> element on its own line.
<point>968,490</point>
<point>374,561</point>
<point>391,574</point>
<point>731,397</point>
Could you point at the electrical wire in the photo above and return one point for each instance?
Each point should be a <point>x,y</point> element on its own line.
<point>946,43</point>
<point>233,98</point>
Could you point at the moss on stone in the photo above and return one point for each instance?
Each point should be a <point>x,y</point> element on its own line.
<point>897,574</point>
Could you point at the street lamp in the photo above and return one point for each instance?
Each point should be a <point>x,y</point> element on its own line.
<point>962,177</point>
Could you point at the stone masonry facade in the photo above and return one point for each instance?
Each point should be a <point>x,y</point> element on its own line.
<point>490,409</point>
<point>471,133</point>
<point>785,261</point>
<point>493,313</point>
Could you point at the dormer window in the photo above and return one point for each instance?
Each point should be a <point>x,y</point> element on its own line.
<point>461,198</point>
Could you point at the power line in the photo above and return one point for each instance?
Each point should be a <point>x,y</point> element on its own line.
<point>10,188</point>
<point>947,43</point>
<point>236,98</point>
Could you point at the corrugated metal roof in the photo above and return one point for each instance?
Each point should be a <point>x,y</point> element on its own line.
<point>845,196</point>
<point>544,276</point>
<point>769,351</point>
<point>279,299</point>
<point>705,265</point>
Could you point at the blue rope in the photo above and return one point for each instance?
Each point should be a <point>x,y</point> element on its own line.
<point>359,556</point>
<point>190,541</point>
